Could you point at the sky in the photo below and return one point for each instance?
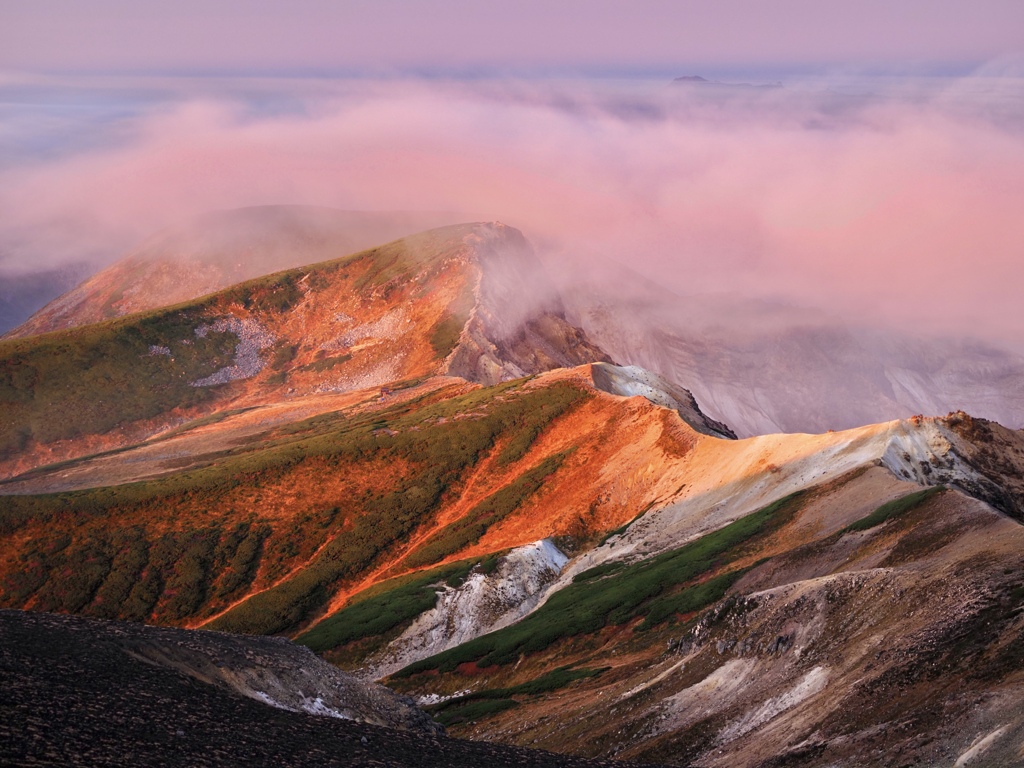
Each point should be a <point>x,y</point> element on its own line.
<point>387,36</point>
<point>883,180</point>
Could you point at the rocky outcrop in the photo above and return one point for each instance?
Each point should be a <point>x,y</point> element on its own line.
<point>483,603</point>
<point>252,340</point>
<point>631,380</point>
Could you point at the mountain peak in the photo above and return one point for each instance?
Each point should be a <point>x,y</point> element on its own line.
<point>215,250</point>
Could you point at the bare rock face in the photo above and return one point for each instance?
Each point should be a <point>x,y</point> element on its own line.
<point>995,456</point>
<point>518,325</point>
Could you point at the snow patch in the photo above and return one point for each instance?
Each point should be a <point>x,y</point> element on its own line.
<point>317,707</point>
<point>436,698</point>
<point>269,700</point>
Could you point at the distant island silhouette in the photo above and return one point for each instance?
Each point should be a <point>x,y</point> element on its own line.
<point>698,80</point>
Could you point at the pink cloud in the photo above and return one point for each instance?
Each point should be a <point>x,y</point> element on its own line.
<point>895,210</point>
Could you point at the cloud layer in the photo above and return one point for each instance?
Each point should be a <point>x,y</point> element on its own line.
<point>889,202</point>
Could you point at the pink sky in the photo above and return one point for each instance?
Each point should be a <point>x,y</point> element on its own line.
<point>384,35</point>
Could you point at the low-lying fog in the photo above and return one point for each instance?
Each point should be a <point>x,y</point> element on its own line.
<point>875,208</point>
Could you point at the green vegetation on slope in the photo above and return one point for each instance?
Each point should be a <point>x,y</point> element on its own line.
<point>616,593</point>
<point>480,704</point>
<point>445,334</point>
<point>894,508</point>
<point>441,455</point>
<point>89,380</point>
<point>92,379</point>
<point>125,572</point>
<point>181,578</point>
<point>469,529</point>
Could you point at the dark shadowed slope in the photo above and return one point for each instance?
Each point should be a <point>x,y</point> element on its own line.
<point>78,692</point>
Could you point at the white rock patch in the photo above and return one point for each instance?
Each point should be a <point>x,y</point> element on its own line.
<point>389,326</point>
<point>482,604</point>
<point>703,698</point>
<point>979,747</point>
<point>252,338</point>
<point>811,683</point>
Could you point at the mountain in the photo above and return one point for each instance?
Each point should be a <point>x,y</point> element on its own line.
<point>22,294</point>
<point>467,499</point>
<point>426,305</point>
<point>805,601</point>
<point>219,249</point>
<point>758,366</point>
<point>631,571</point>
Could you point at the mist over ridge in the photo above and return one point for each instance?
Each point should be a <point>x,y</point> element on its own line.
<point>894,206</point>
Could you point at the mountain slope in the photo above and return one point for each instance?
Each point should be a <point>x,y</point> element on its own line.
<point>444,474</point>
<point>860,622</point>
<point>217,250</point>
<point>81,692</point>
<point>747,584</point>
<point>570,557</point>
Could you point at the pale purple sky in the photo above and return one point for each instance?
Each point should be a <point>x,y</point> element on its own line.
<point>375,36</point>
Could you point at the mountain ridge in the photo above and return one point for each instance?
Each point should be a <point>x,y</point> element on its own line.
<point>369,319</point>
<point>216,250</point>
